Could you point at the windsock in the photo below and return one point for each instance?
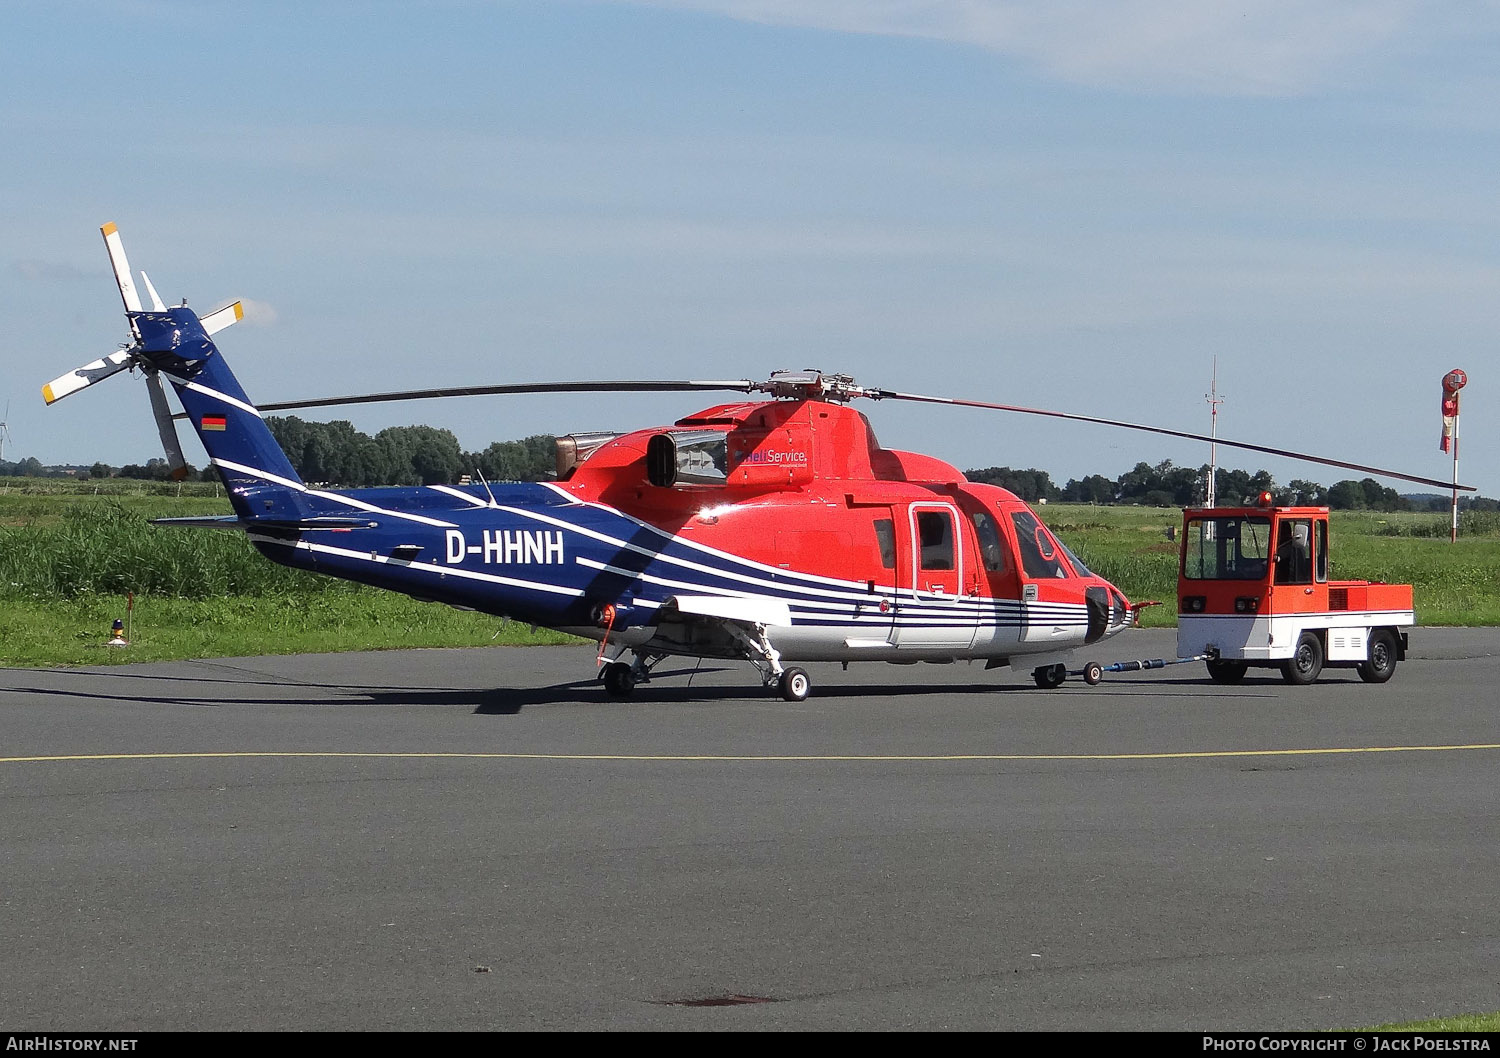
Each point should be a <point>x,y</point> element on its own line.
<point>1453,381</point>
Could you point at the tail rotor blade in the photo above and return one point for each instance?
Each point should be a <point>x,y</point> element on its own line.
<point>156,302</point>
<point>164,426</point>
<point>85,376</point>
<point>217,320</point>
<point>121,266</point>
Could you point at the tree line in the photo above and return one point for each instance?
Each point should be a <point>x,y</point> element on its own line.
<point>1167,485</point>
<point>335,453</point>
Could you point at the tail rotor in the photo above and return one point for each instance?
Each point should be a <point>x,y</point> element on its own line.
<point>133,355</point>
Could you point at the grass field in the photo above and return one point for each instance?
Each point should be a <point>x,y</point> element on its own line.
<point>70,552</point>
<point>69,558</point>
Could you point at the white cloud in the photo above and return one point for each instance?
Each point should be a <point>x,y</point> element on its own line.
<point>1251,47</point>
<point>53,271</point>
<point>257,313</point>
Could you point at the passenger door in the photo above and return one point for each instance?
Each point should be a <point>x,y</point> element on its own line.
<point>931,609</point>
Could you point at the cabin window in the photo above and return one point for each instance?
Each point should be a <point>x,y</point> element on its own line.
<point>1320,556</point>
<point>885,536</point>
<point>1038,550</point>
<point>991,548</point>
<point>935,530</point>
<point>1226,548</point>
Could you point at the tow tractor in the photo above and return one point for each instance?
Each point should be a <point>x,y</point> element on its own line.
<point>1253,588</point>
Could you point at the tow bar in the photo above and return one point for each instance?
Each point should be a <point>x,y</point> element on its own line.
<point>1093,672</point>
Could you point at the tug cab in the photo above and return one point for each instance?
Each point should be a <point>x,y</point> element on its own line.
<point>1253,588</point>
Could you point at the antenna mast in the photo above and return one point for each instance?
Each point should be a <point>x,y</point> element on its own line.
<point>1214,400</point>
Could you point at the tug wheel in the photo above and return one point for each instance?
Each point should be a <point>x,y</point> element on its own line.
<point>1381,664</point>
<point>1093,674</point>
<point>794,685</point>
<point>1227,671</point>
<point>1049,676</point>
<point>619,679</point>
<point>1305,663</point>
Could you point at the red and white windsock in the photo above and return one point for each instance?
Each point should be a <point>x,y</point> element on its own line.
<point>1453,381</point>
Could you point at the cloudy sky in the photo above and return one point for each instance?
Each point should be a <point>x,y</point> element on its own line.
<point>1073,205</point>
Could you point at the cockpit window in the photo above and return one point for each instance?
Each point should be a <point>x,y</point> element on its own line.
<point>990,546</point>
<point>1038,549</point>
<point>1078,566</point>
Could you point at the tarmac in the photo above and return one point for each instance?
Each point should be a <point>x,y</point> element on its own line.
<point>482,839</point>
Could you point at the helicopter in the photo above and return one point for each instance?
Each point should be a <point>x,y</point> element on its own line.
<point>773,529</point>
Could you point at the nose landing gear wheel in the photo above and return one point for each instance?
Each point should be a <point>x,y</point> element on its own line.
<point>794,685</point>
<point>1049,676</point>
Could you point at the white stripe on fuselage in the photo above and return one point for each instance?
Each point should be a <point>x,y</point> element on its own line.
<point>198,387</point>
<point>337,497</point>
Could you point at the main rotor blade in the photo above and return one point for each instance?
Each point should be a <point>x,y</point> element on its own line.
<point>886,394</point>
<point>623,385</point>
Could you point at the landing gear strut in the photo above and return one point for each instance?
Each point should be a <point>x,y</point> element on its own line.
<point>620,677</point>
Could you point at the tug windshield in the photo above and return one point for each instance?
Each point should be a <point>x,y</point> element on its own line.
<point>1226,548</point>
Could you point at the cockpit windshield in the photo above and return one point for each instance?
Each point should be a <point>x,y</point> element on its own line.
<point>1230,548</point>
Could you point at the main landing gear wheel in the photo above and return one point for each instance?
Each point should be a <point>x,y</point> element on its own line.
<point>1381,664</point>
<point>619,679</point>
<point>1305,663</point>
<point>794,685</point>
<point>1049,676</point>
<point>1227,671</point>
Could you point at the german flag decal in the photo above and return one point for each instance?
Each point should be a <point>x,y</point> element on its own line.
<point>212,422</point>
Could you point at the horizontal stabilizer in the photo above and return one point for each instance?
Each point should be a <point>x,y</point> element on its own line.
<point>229,521</point>
<point>85,376</point>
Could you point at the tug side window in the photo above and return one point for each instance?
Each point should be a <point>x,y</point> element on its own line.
<point>1294,552</point>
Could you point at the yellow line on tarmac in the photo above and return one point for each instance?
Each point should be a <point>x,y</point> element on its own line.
<point>792,758</point>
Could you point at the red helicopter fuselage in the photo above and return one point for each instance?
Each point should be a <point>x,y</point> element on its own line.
<point>950,568</point>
